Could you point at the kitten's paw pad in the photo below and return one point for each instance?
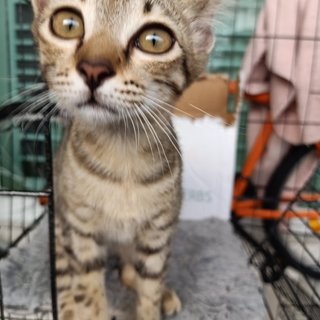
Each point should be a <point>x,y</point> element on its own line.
<point>171,303</point>
<point>128,276</point>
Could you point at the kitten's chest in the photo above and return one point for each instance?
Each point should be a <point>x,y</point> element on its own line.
<point>116,207</point>
<point>118,211</point>
<point>107,185</point>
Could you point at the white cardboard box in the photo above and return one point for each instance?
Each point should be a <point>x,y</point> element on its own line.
<point>208,143</point>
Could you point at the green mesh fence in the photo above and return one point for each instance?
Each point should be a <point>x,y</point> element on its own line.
<point>234,30</point>
<point>22,158</point>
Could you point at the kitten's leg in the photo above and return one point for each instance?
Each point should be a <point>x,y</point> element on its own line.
<point>64,275</point>
<point>80,264</point>
<point>171,303</point>
<point>90,295</point>
<point>150,262</point>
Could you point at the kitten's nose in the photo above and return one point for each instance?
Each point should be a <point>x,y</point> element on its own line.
<point>94,73</point>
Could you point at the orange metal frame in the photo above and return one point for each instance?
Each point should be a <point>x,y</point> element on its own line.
<point>252,208</point>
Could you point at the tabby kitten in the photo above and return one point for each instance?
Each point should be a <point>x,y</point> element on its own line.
<point>115,67</point>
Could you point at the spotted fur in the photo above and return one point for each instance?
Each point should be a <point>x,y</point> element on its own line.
<point>118,170</point>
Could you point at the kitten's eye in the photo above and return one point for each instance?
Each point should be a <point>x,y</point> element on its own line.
<point>67,24</point>
<point>155,40</point>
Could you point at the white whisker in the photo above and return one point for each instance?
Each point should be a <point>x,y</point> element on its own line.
<point>157,140</point>
<point>21,94</point>
<point>31,106</point>
<point>138,127</point>
<point>144,129</point>
<point>46,107</point>
<point>186,113</point>
<point>133,127</point>
<point>170,106</point>
<point>167,125</point>
<point>125,120</point>
<point>158,122</point>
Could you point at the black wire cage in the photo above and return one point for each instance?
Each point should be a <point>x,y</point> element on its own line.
<point>276,199</point>
<point>277,247</point>
<point>24,207</point>
<point>28,136</point>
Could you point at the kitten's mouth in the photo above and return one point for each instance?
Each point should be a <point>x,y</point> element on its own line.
<point>94,104</point>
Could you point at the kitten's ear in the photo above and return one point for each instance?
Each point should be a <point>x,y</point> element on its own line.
<point>201,13</point>
<point>38,5</point>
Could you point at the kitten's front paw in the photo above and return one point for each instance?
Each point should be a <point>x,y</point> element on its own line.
<point>147,310</point>
<point>171,303</point>
<point>68,315</point>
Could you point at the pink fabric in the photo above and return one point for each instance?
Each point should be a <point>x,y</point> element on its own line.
<point>275,151</point>
<point>283,58</point>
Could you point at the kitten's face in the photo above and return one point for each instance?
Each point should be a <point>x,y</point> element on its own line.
<point>105,59</point>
